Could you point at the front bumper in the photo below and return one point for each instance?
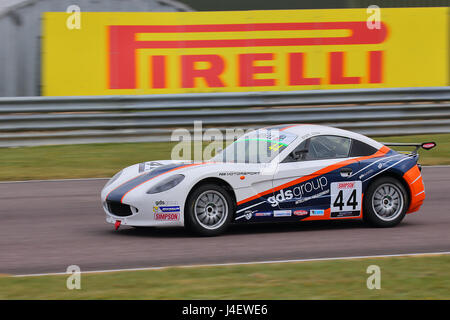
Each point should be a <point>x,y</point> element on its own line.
<point>135,207</point>
<point>145,211</point>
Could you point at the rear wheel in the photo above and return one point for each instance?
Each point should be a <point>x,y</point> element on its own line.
<point>208,210</point>
<point>385,202</point>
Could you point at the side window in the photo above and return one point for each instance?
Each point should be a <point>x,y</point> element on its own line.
<point>319,148</point>
<point>328,147</point>
<point>294,156</point>
<point>360,149</point>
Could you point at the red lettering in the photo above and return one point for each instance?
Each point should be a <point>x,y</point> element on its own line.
<point>123,47</point>
<point>210,75</point>
<point>297,71</point>
<point>247,70</point>
<point>375,66</point>
<point>337,67</point>
<point>158,72</point>
<point>122,60</point>
<point>346,185</point>
<point>166,216</point>
<point>124,44</point>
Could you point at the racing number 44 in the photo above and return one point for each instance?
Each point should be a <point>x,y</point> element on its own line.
<point>339,202</point>
<point>346,196</point>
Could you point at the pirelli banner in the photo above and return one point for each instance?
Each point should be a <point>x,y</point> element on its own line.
<point>280,50</point>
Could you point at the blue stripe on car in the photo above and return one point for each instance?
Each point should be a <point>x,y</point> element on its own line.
<point>118,193</point>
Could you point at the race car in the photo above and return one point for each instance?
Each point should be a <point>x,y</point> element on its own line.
<point>295,172</point>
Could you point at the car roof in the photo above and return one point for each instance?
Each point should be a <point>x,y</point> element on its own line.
<point>305,131</point>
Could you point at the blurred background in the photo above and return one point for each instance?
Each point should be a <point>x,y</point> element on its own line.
<point>21,30</point>
<point>83,69</point>
<point>88,87</point>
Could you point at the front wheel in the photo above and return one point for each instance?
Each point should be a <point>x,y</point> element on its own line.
<point>208,210</point>
<point>385,202</point>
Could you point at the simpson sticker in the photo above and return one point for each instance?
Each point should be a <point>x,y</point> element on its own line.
<point>167,213</point>
<point>167,216</point>
<point>346,196</point>
<point>300,191</point>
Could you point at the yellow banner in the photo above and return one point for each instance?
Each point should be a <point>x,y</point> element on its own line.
<point>280,50</point>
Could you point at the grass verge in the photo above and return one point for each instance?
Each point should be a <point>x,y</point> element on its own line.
<point>103,160</point>
<point>418,277</point>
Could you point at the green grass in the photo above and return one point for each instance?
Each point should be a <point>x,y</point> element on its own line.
<point>76,161</point>
<point>103,160</point>
<point>419,277</point>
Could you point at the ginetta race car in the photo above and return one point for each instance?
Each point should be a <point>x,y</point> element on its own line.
<point>279,173</point>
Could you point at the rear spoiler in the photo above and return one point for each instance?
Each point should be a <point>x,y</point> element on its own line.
<point>424,145</point>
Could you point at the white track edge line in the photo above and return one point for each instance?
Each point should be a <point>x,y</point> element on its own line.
<point>238,263</point>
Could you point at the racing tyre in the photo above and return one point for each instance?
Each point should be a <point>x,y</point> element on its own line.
<point>385,203</point>
<point>209,210</point>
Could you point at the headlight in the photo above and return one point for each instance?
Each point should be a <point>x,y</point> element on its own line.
<point>114,178</point>
<point>166,184</point>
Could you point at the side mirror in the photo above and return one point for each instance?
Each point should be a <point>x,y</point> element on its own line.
<point>298,154</point>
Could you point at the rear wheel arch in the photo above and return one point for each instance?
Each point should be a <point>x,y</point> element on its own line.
<point>373,216</point>
<point>397,176</point>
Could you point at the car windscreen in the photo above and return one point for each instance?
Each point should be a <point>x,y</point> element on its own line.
<point>260,146</point>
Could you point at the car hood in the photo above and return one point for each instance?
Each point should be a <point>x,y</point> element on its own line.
<point>152,171</point>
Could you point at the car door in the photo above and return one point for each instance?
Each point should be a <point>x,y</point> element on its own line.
<point>305,178</point>
<point>255,190</point>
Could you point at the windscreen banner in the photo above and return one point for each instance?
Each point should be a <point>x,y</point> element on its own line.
<point>236,51</point>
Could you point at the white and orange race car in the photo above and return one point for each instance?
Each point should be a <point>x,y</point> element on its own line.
<point>279,173</point>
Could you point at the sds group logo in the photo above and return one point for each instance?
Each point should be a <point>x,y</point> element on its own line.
<point>276,50</point>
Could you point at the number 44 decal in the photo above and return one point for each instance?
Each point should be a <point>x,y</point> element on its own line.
<point>346,196</point>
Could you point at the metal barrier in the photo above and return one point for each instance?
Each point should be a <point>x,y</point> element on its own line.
<point>67,120</point>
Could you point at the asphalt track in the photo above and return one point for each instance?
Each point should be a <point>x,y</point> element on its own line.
<point>49,225</point>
